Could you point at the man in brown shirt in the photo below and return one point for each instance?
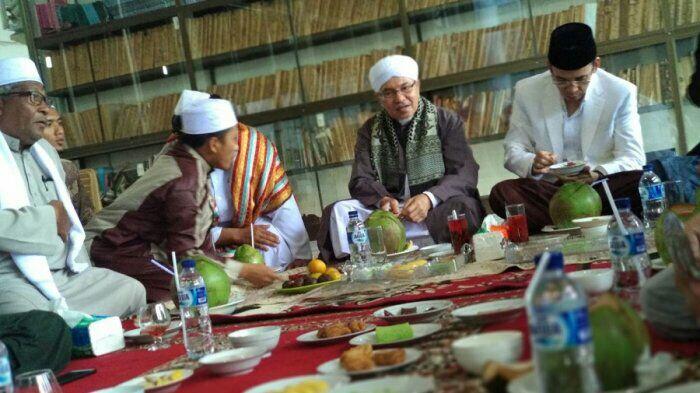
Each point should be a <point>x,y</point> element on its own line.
<point>411,159</point>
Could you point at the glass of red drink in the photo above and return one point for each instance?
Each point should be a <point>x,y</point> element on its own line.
<point>517,223</point>
<point>459,232</point>
<point>154,320</point>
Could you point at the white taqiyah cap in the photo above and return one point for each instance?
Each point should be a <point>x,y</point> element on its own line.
<point>206,116</point>
<point>187,98</point>
<point>392,66</point>
<point>18,69</point>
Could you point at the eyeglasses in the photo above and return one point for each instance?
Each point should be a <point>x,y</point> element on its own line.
<point>388,94</point>
<point>582,81</point>
<point>35,98</point>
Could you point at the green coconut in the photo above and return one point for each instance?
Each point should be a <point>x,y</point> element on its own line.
<point>574,200</point>
<point>393,230</point>
<point>215,280</point>
<point>248,254</point>
<point>620,338</point>
<point>684,211</point>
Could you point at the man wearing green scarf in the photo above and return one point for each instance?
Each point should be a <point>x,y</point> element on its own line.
<point>411,158</point>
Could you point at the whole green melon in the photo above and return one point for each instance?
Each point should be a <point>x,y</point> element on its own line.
<point>248,254</point>
<point>684,212</point>
<point>574,200</point>
<point>393,230</point>
<point>620,338</point>
<point>215,280</point>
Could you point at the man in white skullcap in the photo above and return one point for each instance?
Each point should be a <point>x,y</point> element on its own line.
<point>43,264</point>
<point>170,208</point>
<point>411,158</point>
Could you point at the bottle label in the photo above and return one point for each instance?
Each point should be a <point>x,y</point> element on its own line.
<point>193,297</point>
<point>652,192</point>
<point>556,330</point>
<point>5,372</point>
<point>359,236</point>
<point>627,246</point>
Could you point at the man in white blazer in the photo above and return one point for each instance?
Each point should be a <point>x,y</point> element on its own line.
<point>575,111</point>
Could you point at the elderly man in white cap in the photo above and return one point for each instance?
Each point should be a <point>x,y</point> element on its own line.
<point>170,208</point>
<point>43,264</point>
<point>411,159</point>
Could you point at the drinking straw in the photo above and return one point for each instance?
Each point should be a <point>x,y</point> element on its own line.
<point>252,235</point>
<point>616,213</point>
<point>541,267</point>
<point>161,266</point>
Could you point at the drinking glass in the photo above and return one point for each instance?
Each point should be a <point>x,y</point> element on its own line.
<point>517,223</point>
<point>39,381</point>
<point>376,244</point>
<point>459,232</point>
<point>154,320</point>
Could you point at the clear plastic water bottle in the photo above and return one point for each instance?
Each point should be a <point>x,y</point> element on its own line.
<point>557,312</point>
<point>194,312</point>
<point>5,371</point>
<point>628,253</point>
<point>358,240</point>
<point>651,191</point>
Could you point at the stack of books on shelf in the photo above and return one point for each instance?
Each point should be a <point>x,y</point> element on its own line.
<point>472,49</point>
<point>117,121</point>
<point>314,16</point>
<point>339,77</point>
<point>262,93</point>
<point>335,142</point>
<point>258,23</point>
<point>116,56</point>
<point>685,12</point>
<point>623,18</point>
<point>485,113</point>
<point>648,79</point>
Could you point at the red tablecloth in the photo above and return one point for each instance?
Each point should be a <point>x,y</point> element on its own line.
<point>289,358</point>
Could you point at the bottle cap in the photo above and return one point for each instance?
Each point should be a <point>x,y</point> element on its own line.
<point>188,263</point>
<point>623,203</point>
<point>556,260</point>
<point>648,168</point>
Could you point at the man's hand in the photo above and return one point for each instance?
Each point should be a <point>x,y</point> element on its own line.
<point>297,263</point>
<point>542,161</point>
<point>389,204</point>
<point>416,208</point>
<point>689,287</point>
<point>585,176</point>
<point>263,237</point>
<point>62,221</point>
<point>258,275</point>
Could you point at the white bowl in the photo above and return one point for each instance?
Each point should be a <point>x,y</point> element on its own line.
<point>592,222</point>
<point>473,352</point>
<point>262,336</point>
<point>233,361</point>
<point>593,280</point>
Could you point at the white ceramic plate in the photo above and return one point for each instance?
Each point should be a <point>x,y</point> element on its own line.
<point>490,312</point>
<point>420,331</point>
<point>552,230</point>
<point>280,384</point>
<point>393,384</point>
<point>334,367</point>
<point>139,382</point>
<point>432,249</point>
<point>426,310</point>
<point>135,334</point>
<point>407,251</point>
<point>228,308</point>
<point>528,384</point>
<point>565,169</point>
<point>311,338</point>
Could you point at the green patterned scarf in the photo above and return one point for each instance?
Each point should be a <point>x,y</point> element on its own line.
<point>424,161</point>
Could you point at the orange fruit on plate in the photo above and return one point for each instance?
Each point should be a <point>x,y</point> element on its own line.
<point>334,273</point>
<point>316,266</point>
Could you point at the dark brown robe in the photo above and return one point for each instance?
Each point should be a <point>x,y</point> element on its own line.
<point>456,190</point>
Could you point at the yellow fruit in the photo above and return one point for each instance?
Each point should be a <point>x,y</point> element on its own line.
<point>334,273</point>
<point>316,266</point>
<point>315,275</point>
